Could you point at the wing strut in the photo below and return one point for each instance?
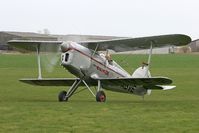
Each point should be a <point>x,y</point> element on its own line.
<point>95,50</point>
<point>39,61</point>
<point>149,63</point>
<point>149,59</point>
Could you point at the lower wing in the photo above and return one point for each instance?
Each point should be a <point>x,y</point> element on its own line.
<point>149,83</point>
<point>50,81</point>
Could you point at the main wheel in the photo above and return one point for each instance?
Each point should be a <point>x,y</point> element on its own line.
<point>62,96</point>
<point>100,96</point>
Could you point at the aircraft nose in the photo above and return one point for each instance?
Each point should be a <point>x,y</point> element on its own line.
<point>65,46</point>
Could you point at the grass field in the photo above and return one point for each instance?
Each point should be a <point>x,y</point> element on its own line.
<point>25,108</point>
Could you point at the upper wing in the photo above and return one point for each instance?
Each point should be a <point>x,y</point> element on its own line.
<point>152,83</point>
<point>128,44</point>
<point>118,45</point>
<point>31,45</point>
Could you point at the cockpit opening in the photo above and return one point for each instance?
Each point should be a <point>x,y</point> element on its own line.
<point>66,57</point>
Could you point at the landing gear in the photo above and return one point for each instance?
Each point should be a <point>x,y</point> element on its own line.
<point>62,96</point>
<point>100,96</point>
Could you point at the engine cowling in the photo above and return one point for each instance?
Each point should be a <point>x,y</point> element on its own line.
<point>65,46</point>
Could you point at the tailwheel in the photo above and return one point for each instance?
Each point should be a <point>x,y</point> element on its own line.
<point>100,96</point>
<point>62,96</point>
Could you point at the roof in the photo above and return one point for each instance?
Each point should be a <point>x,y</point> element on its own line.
<point>73,37</point>
<point>195,40</point>
<point>28,34</point>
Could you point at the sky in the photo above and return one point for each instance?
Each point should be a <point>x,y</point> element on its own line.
<point>125,18</point>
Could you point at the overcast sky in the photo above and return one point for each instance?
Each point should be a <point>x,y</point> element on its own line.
<point>128,18</point>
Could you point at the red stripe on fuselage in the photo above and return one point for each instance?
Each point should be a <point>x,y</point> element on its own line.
<point>94,60</point>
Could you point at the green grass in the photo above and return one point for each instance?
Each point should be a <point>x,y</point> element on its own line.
<point>25,108</point>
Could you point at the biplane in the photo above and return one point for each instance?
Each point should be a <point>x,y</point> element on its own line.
<point>93,68</point>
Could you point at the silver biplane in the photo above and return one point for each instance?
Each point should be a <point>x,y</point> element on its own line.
<point>93,68</point>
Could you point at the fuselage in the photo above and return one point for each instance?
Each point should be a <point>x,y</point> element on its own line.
<point>88,65</point>
<point>85,63</point>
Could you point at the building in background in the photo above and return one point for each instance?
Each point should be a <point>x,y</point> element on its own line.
<point>6,36</point>
<point>71,37</point>
<point>194,45</point>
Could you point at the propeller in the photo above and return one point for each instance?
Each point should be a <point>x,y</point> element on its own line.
<point>50,56</point>
<point>51,53</point>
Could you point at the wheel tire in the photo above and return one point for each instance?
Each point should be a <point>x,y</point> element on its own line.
<point>100,96</point>
<point>62,96</point>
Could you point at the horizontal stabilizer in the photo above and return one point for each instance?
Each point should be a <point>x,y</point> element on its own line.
<point>167,87</point>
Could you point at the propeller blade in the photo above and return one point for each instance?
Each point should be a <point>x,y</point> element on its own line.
<point>50,59</point>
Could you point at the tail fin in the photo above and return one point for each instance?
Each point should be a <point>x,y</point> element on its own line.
<point>143,71</point>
